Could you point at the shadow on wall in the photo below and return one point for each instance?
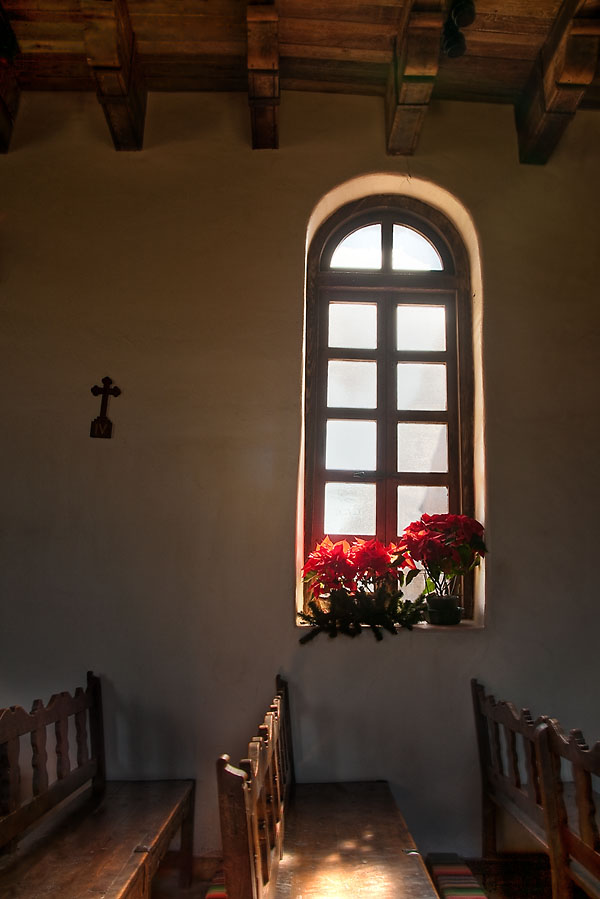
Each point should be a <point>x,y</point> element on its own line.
<point>142,741</point>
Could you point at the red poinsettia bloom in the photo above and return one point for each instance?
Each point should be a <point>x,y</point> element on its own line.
<point>366,565</point>
<point>447,545</point>
<point>371,559</point>
<point>329,567</point>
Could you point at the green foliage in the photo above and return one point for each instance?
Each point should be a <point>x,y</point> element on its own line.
<point>347,613</point>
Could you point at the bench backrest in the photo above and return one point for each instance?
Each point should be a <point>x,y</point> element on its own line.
<point>573,837</point>
<point>509,770</point>
<point>24,753</point>
<point>252,803</point>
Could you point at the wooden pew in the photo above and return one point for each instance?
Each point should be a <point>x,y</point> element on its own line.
<point>309,841</point>
<point>508,766</point>
<point>78,835</point>
<point>572,809</point>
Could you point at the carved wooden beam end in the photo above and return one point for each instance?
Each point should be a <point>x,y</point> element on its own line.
<point>412,76</point>
<point>113,60</point>
<point>564,69</point>
<point>9,87</point>
<point>263,74</point>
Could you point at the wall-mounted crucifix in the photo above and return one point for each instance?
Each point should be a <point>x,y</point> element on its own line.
<point>102,426</point>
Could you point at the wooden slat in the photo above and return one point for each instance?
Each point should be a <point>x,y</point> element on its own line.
<point>173,53</point>
<point>39,756</point>
<point>565,66</point>
<point>24,7</point>
<point>176,28</point>
<point>494,45</point>
<point>481,79</point>
<point>61,729</point>
<point>412,76</point>
<point>333,54</point>
<point>383,12</point>
<point>57,34</point>
<point>335,33</point>
<point>10,776</point>
<point>333,76</point>
<point>263,74</point>
<point>113,59</point>
<point>230,9</point>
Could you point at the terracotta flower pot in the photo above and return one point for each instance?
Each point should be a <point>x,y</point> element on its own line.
<point>442,610</point>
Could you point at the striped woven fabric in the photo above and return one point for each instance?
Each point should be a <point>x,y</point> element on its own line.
<point>217,889</point>
<point>453,878</point>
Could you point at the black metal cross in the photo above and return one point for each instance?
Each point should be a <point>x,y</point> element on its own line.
<point>102,426</point>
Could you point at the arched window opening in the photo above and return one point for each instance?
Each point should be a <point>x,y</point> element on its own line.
<point>389,372</point>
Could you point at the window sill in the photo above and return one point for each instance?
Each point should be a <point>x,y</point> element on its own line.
<point>422,627</point>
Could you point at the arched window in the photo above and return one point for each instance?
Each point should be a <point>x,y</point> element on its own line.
<point>389,372</point>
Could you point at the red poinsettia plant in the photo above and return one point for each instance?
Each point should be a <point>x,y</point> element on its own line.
<point>447,546</point>
<point>356,584</point>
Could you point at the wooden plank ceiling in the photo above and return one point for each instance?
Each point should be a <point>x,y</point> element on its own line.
<point>541,56</point>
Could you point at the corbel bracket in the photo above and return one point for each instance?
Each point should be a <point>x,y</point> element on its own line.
<point>263,74</point>
<point>112,57</point>
<point>412,75</point>
<point>563,70</point>
<point>9,86</point>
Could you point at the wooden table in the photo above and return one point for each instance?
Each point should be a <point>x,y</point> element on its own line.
<point>349,841</point>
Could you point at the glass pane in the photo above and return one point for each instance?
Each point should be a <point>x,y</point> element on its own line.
<point>350,509</point>
<point>422,385</point>
<point>421,328</point>
<point>422,446</point>
<point>352,384</point>
<point>361,249</point>
<point>351,445</point>
<point>353,325</point>
<point>413,501</point>
<point>413,252</point>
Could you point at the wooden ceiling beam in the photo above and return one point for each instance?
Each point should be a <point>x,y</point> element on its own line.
<point>112,57</point>
<point>565,67</point>
<point>9,87</point>
<point>412,75</point>
<point>263,74</point>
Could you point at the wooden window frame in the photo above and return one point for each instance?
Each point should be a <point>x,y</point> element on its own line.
<point>452,287</point>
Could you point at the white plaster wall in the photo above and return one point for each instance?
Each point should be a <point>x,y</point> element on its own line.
<point>164,558</point>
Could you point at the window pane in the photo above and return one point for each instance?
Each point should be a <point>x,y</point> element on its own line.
<point>422,446</point>
<point>413,252</point>
<point>361,249</point>
<point>352,384</point>
<point>422,385</point>
<point>353,325</point>
<point>421,328</point>
<point>413,501</point>
<point>351,445</point>
<point>350,509</point>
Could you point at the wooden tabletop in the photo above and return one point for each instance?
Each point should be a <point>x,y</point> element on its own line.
<point>348,841</point>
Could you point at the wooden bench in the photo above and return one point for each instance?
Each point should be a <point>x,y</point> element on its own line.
<point>509,769</point>
<point>521,773</point>
<point>75,834</point>
<point>309,841</point>
<point>572,809</point>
